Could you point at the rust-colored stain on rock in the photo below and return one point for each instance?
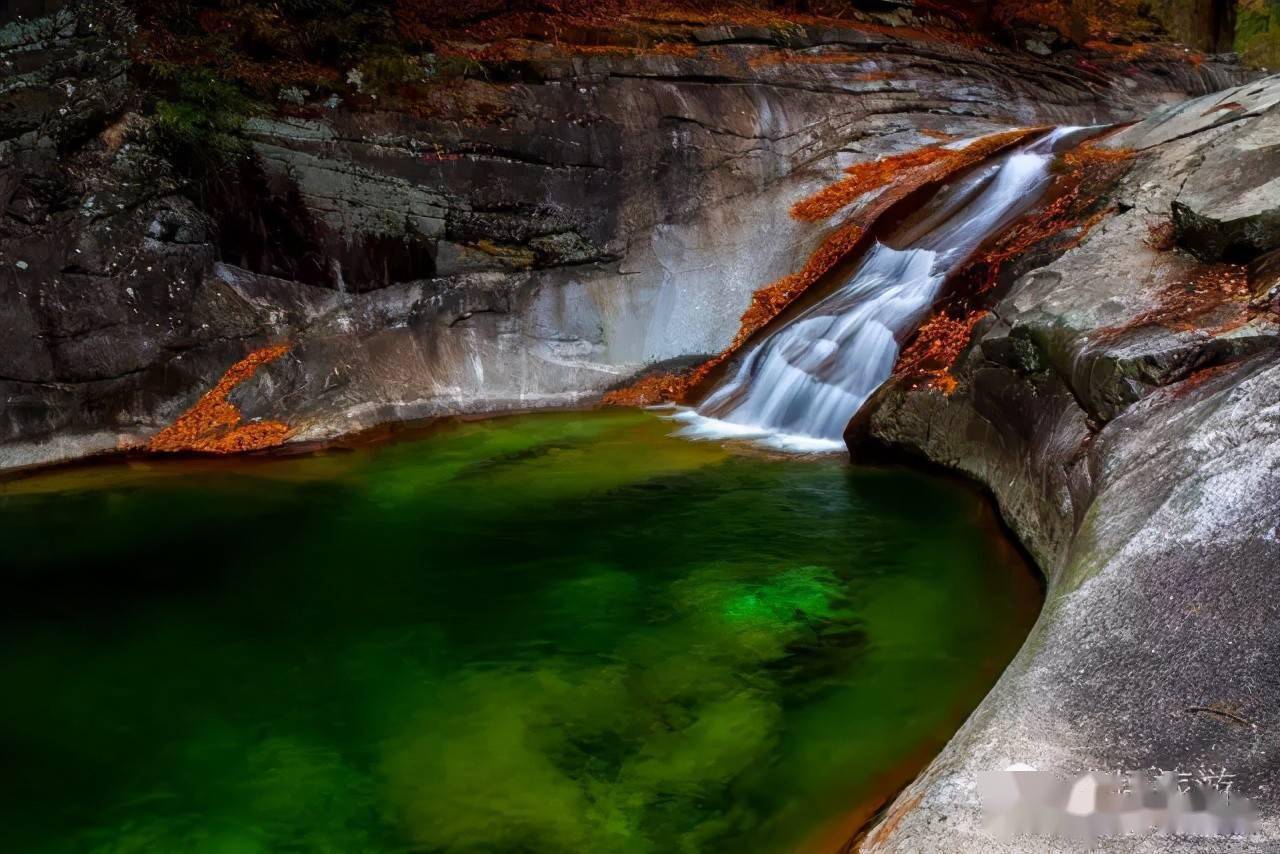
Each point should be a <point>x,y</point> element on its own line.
<point>213,425</point>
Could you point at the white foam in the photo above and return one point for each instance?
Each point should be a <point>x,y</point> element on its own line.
<point>797,389</point>
<point>703,429</point>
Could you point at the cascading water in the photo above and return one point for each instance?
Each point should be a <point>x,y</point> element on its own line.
<point>798,388</point>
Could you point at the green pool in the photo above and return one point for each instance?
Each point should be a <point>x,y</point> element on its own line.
<point>550,633</point>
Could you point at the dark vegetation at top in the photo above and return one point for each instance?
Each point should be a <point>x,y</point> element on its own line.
<point>211,64</point>
<point>264,45</point>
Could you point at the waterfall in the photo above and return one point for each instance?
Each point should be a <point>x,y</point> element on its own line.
<point>797,389</point>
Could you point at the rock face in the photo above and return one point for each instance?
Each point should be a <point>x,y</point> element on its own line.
<point>101,257</point>
<point>533,241</point>
<point>1230,208</point>
<point>1123,405</point>
<point>548,236</point>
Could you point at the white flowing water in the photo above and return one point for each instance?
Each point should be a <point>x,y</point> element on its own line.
<point>797,389</point>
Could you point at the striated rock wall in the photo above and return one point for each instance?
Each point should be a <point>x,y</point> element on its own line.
<point>1122,403</point>
<point>537,239</point>
<point>504,243</point>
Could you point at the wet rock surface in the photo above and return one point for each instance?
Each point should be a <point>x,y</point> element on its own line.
<point>524,242</point>
<point>606,213</point>
<point>1122,405</point>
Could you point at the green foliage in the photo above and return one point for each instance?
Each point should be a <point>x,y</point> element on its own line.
<point>1258,32</point>
<point>456,68</point>
<point>330,33</point>
<point>337,32</point>
<point>388,68</point>
<point>198,121</point>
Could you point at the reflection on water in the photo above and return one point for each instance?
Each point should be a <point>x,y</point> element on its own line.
<point>546,633</point>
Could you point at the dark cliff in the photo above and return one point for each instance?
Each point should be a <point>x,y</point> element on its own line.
<point>448,225</point>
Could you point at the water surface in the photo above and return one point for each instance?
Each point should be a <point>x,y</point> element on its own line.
<point>538,634</point>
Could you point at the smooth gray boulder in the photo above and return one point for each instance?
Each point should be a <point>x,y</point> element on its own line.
<point>1229,209</point>
<point>1131,437</point>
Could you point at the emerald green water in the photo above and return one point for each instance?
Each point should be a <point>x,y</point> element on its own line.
<point>552,633</point>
